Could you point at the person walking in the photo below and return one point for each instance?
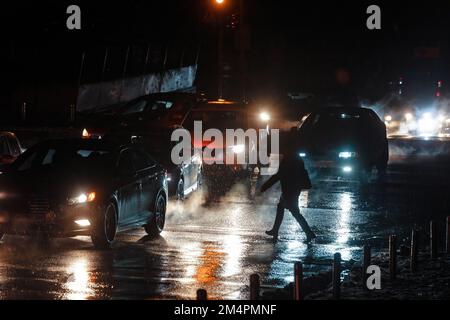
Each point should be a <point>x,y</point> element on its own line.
<point>293,178</point>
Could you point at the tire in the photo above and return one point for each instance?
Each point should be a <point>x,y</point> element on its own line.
<point>382,164</point>
<point>364,174</point>
<point>180,189</point>
<point>105,228</point>
<point>156,226</point>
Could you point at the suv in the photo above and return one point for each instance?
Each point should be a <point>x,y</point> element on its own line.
<point>347,141</point>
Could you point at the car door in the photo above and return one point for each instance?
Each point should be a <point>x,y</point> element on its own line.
<point>129,189</point>
<point>147,173</point>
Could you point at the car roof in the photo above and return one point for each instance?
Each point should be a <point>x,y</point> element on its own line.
<point>170,95</point>
<point>343,110</point>
<point>83,143</point>
<point>221,105</point>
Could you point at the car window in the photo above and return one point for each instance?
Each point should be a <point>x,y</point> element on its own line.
<point>4,149</point>
<point>135,107</point>
<point>142,160</point>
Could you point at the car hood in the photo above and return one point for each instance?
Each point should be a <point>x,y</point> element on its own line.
<point>331,141</point>
<point>55,184</point>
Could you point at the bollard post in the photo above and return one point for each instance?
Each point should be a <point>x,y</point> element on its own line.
<point>393,257</point>
<point>254,287</point>
<point>447,235</point>
<point>298,281</point>
<point>337,276</point>
<point>433,240</point>
<point>202,294</point>
<point>366,264</point>
<point>23,111</point>
<point>414,249</point>
<point>72,111</point>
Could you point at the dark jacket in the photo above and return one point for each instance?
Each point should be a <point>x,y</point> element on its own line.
<point>292,175</point>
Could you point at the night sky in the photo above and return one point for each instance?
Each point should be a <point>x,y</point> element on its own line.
<point>292,45</point>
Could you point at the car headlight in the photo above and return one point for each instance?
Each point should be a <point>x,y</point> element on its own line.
<point>302,154</point>
<point>264,116</point>
<point>347,155</point>
<point>82,198</point>
<point>238,148</point>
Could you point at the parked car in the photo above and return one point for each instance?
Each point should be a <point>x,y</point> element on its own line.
<point>184,178</point>
<point>159,110</point>
<point>348,141</point>
<point>71,187</point>
<point>223,115</point>
<point>10,149</point>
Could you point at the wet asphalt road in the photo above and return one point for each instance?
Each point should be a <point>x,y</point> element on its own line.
<point>218,244</point>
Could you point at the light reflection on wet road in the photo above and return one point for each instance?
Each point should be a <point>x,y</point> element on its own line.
<point>218,245</point>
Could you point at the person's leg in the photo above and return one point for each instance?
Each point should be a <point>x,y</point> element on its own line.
<point>278,219</point>
<point>294,209</point>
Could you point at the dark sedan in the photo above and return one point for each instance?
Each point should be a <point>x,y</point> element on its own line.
<point>65,188</point>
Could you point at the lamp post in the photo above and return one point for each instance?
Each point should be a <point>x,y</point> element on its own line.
<point>220,4</point>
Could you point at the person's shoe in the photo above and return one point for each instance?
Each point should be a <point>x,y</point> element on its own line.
<point>272,234</point>
<point>310,238</point>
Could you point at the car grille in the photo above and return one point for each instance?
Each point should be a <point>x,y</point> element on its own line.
<point>39,205</point>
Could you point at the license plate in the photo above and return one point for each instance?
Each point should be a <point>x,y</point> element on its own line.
<point>324,164</point>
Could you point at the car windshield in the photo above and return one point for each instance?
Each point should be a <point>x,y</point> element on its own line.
<point>64,157</point>
<point>337,119</point>
<point>154,107</point>
<point>220,119</point>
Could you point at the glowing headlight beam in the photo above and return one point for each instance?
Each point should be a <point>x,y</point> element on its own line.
<point>238,148</point>
<point>347,154</point>
<point>83,198</point>
<point>264,116</point>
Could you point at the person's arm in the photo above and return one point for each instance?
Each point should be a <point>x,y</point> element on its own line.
<point>269,183</point>
<point>274,179</point>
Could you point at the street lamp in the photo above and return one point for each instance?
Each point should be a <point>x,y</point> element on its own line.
<point>220,49</point>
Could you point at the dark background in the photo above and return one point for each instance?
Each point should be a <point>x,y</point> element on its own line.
<point>270,47</point>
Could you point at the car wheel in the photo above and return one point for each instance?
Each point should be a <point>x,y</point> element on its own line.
<point>105,228</point>
<point>364,174</point>
<point>382,164</point>
<point>180,189</point>
<point>156,226</point>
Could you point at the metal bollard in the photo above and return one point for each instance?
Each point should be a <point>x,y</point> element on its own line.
<point>337,276</point>
<point>366,264</point>
<point>393,257</point>
<point>202,294</point>
<point>298,281</point>
<point>254,287</point>
<point>23,111</point>
<point>447,235</point>
<point>414,250</point>
<point>433,240</point>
